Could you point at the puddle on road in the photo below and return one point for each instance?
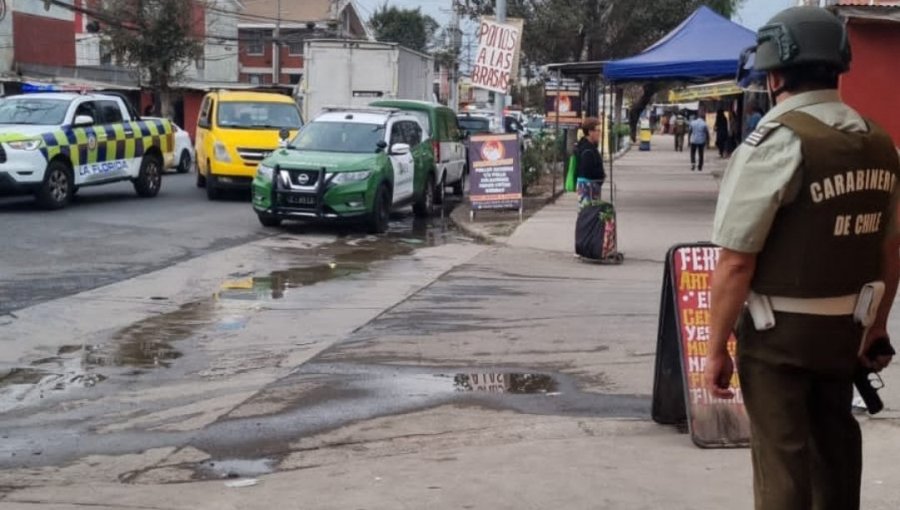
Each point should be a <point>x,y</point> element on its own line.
<point>148,343</point>
<point>521,384</point>
<point>153,342</point>
<point>234,468</point>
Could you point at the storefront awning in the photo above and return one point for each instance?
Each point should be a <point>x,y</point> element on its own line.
<point>706,91</point>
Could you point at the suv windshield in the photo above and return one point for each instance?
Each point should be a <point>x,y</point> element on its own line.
<point>33,110</point>
<point>339,137</point>
<point>475,125</point>
<point>258,115</point>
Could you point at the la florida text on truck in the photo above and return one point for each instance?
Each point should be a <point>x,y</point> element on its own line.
<point>348,164</point>
<point>51,144</point>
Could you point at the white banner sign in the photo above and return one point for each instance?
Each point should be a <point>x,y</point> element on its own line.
<point>497,60</point>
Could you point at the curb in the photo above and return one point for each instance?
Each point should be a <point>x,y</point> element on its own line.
<point>459,216</point>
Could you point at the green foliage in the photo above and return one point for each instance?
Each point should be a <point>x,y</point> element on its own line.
<point>538,156</point>
<point>409,27</point>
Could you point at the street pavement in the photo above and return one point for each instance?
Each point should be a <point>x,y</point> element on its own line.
<point>377,390</point>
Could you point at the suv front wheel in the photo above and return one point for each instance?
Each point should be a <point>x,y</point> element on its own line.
<point>425,204</point>
<point>381,211</point>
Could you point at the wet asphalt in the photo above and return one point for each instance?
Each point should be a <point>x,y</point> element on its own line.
<point>330,391</point>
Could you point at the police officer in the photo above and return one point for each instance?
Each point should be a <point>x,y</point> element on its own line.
<point>805,219</point>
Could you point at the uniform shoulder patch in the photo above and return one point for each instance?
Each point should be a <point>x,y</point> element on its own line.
<point>761,133</point>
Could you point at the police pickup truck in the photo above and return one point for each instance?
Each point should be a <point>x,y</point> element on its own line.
<point>51,144</point>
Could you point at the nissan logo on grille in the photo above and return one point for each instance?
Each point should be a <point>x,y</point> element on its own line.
<point>302,179</point>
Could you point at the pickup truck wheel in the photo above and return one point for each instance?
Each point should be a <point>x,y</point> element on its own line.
<point>212,190</point>
<point>381,211</point>
<point>439,191</point>
<point>458,186</point>
<point>149,177</point>
<point>184,162</point>
<point>267,220</point>
<point>425,204</point>
<point>56,190</point>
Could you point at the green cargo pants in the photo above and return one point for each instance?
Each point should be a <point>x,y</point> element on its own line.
<point>805,443</point>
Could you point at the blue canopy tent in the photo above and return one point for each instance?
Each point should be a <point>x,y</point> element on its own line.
<point>703,47</point>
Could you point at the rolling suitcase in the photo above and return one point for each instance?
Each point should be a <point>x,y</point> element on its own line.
<point>595,234</point>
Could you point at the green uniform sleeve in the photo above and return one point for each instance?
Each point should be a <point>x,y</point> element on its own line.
<point>758,180</point>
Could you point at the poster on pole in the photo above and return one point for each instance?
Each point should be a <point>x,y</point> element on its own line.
<point>497,61</point>
<point>562,101</point>
<point>495,176</point>
<point>679,394</point>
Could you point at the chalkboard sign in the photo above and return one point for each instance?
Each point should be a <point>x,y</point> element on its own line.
<point>679,394</point>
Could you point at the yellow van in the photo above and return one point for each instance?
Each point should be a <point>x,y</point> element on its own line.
<point>235,131</point>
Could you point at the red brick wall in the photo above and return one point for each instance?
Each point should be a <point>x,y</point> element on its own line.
<point>54,46</point>
<point>871,85</point>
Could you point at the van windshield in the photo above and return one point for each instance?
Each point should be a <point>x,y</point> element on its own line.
<point>326,136</point>
<point>249,115</point>
<point>32,110</point>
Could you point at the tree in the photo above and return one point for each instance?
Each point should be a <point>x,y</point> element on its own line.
<point>586,30</point>
<point>409,27</point>
<point>160,38</point>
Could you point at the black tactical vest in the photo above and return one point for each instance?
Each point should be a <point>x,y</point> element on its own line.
<point>828,241</point>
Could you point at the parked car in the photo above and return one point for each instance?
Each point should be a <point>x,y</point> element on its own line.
<point>448,151</point>
<point>51,144</point>
<point>348,164</point>
<point>183,159</point>
<point>235,131</point>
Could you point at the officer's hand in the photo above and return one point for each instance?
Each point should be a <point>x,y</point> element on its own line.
<point>879,362</point>
<point>718,373</point>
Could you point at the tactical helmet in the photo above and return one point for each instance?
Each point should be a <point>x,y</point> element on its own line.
<point>802,35</point>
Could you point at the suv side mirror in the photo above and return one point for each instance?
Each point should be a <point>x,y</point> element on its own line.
<point>83,120</point>
<point>399,149</point>
<point>380,146</point>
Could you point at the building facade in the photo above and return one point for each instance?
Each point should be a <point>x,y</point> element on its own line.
<point>271,34</point>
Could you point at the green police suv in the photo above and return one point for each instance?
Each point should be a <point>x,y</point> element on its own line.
<point>348,164</point>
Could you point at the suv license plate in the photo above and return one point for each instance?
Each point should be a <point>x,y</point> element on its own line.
<point>301,200</point>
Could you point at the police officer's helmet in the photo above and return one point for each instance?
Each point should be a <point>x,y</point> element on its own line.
<point>800,36</point>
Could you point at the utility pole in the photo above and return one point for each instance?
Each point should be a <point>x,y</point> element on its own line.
<point>455,45</point>
<point>276,46</point>
<point>500,99</point>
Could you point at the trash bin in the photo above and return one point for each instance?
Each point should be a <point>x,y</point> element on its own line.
<point>646,133</point>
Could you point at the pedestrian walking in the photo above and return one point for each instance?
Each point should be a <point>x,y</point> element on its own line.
<point>806,218</point>
<point>590,174</point>
<point>753,120</point>
<point>699,136</point>
<point>721,128</point>
<point>679,128</point>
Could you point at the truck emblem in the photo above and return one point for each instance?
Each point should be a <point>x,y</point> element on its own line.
<point>302,179</point>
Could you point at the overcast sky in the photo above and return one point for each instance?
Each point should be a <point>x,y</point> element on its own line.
<point>753,14</point>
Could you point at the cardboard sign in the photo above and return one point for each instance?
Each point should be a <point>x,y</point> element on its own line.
<point>497,60</point>
<point>679,394</point>
<point>495,175</point>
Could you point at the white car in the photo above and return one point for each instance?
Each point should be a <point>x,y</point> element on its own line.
<point>184,158</point>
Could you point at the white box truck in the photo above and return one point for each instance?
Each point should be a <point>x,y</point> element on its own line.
<point>355,73</point>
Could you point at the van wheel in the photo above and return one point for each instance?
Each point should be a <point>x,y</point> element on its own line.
<point>381,211</point>
<point>268,220</point>
<point>149,177</point>
<point>212,190</point>
<point>184,163</point>
<point>425,204</point>
<point>56,190</point>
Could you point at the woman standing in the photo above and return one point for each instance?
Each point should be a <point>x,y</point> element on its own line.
<point>721,128</point>
<point>590,172</point>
